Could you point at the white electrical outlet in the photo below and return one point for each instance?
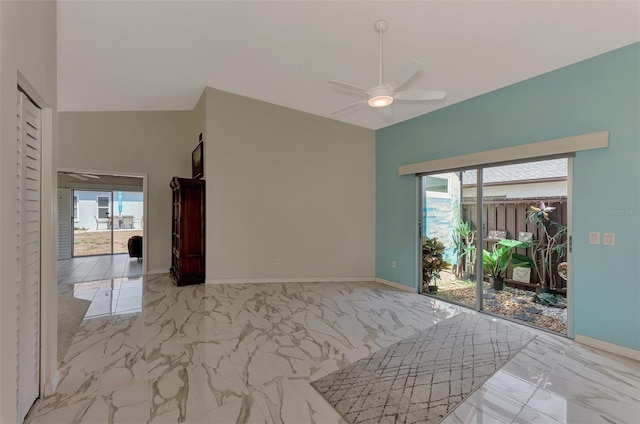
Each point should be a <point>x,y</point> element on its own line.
<point>394,264</point>
<point>594,238</point>
<point>609,239</point>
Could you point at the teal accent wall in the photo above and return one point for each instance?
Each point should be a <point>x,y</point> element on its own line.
<point>598,94</point>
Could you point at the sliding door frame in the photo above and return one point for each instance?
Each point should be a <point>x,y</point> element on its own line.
<point>480,218</point>
<point>110,215</point>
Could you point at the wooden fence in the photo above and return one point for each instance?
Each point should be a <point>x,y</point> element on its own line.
<point>510,215</point>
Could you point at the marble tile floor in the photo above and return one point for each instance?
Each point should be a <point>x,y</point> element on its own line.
<point>247,353</point>
<point>92,268</point>
<point>78,301</point>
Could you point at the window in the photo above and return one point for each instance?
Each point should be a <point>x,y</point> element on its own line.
<point>76,218</point>
<point>103,207</point>
<point>437,186</point>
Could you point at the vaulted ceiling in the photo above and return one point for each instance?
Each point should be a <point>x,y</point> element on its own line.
<point>159,55</point>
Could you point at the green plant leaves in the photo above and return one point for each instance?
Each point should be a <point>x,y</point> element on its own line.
<point>433,258</point>
<point>545,299</point>
<point>521,260</point>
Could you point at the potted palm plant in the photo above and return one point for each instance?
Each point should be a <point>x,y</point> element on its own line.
<point>432,262</point>
<point>496,262</point>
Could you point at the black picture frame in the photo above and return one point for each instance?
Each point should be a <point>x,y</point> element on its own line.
<point>197,160</point>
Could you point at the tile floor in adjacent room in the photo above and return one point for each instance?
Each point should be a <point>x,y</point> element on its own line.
<point>247,353</point>
<point>92,268</point>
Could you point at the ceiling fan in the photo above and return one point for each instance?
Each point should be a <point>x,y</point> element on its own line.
<point>383,95</point>
<point>80,176</point>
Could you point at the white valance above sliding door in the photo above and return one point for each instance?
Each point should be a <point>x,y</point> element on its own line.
<point>541,149</point>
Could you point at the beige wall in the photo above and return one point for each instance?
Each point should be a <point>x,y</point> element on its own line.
<point>28,49</point>
<point>153,143</point>
<point>199,119</point>
<point>289,186</point>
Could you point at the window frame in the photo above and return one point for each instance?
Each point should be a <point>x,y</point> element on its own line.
<point>98,207</point>
<point>76,208</point>
<point>438,194</point>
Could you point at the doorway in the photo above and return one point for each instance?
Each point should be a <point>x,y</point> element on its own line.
<point>98,213</point>
<point>503,234</point>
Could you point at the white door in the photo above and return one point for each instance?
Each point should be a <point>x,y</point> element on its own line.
<point>28,220</point>
<point>65,222</point>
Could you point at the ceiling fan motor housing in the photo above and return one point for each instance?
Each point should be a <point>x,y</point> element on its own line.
<point>380,96</point>
<point>381,26</point>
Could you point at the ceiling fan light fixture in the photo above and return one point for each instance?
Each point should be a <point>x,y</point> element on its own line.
<point>380,96</point>
<point>382,100</point>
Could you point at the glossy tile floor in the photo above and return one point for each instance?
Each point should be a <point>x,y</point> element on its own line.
<point>75,296</point>
<point>92,268</point>
<point>247,353</point>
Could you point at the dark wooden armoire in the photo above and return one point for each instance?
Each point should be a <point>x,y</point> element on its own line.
<point>188,231</point>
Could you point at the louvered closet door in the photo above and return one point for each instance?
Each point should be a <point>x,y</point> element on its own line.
<point>28,219</point>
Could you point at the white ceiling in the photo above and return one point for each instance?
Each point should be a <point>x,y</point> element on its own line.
<point>159,55</point>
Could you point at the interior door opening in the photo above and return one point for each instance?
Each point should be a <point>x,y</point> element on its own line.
<point>98,213</point>
<point>511,221</point>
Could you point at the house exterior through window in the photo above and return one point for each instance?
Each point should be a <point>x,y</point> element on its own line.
<point>76,218</point>
<point>103,207</point>
<point>438,186</point>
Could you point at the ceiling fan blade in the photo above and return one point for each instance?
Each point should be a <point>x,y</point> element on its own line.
<point>78,177</point>
<point>405,74</point>
<point>348,86</point>
<point>351,106</point>
<point>95,177</point>
<point>386,113</point>
<point>420,95</point>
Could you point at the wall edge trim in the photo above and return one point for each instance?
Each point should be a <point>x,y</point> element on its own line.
<point>51,386</point>
<point>157,271</point>
<point>288,280</point>
<point>609,347</point>
<point>395,285</point>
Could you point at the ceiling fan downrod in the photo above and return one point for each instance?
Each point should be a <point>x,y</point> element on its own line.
<point>380,96</point>
<point>381,27</point>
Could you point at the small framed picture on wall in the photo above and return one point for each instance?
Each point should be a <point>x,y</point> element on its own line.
<point>197,160</point>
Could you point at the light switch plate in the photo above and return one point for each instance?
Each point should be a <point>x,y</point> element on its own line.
<point>609,239</point>
<point>594,238</point>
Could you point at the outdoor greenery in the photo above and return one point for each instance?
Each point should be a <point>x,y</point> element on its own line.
<point>545,298</point>
<point>496,261</point>
<point>433,259</point>
<point>544,253</point>
<point>464,248</point>
<point>551,249</point>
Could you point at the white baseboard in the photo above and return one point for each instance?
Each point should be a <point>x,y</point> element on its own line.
<point>158,271</point>
<point>609,347</point>
<point>52,385</point>
<point>288,280</point>
<point>395,285</point>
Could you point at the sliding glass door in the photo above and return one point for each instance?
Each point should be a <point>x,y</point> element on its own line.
<point>92,213</point>
<point>495,239</point>
<point>104,221</point>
